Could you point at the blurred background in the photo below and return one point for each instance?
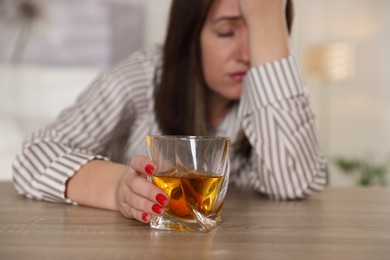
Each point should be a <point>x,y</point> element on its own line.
<point>51,49</point>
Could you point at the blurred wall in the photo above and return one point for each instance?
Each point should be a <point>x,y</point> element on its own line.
<point>94,33</point>
<point>156,16</point>
<point>353,122</point>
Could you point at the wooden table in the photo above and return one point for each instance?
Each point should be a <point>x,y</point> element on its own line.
<point>339,223</point>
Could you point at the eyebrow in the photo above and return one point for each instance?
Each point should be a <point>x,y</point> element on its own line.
<point>229,18</point>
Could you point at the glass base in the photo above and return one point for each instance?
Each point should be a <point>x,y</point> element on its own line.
<point>201,224</point>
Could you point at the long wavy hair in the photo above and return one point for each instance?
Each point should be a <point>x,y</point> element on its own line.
<point>180,93</point>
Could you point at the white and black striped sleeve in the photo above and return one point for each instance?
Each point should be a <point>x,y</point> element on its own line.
<point>102,114</point>
<point>287,162</point>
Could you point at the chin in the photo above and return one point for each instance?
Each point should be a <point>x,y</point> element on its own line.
<point>236,93</point>
<point>234,96</point>
<point>232,93</point>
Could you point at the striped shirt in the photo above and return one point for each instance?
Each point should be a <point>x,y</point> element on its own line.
<point>111,118</point>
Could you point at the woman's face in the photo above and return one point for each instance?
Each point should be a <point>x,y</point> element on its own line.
<point>224,46</point>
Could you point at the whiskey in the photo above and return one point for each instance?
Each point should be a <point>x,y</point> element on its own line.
<point>189,191</point>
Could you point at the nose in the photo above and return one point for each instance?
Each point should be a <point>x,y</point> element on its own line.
<point>243,49</point>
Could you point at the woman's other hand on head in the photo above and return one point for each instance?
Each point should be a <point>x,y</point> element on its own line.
<point>137,197</point>
<point>268,30</point>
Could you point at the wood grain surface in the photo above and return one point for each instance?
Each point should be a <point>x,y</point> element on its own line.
<point>339,223</point>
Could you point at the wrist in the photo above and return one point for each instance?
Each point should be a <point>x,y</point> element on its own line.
<point>266,22</point>
<point>268,42</point>
<point>122,175</point>
<point>96,184</point>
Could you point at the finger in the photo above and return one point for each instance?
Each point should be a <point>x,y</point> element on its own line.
<point>134,205</point>
<point>136,214</point>
<point>142,204</point>
<point>148,190</point>
<point>142,164</point>
<point>138,186</point>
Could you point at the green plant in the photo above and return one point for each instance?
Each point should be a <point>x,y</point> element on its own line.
<point>369,173</point>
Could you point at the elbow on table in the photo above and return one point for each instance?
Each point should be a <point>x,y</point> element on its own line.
<point>313,183</point>
<point>25,177</point>
<point>289,191</point>
<point>316,185</point>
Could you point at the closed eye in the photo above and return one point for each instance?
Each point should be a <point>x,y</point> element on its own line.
<point>225,34</point>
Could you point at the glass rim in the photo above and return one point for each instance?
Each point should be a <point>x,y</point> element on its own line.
<point>188,137</point>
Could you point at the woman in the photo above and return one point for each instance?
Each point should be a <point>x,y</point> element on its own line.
<point>225,69</point>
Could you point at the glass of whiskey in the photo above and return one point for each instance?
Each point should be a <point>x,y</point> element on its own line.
<point>194,172</point>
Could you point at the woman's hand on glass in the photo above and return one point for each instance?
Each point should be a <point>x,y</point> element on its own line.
<point>137,197</point>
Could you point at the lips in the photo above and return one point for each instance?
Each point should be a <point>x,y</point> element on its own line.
<point>238,76</point>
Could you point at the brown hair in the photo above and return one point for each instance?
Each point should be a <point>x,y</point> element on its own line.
<point>180,95</point>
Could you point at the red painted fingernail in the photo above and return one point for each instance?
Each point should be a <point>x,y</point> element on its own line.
<point>161,199</point>
<point>157,209</point>
<point>149,169</point>
<point>144,217</point>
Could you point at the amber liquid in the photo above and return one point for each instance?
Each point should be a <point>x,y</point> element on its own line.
<point>189,191</point>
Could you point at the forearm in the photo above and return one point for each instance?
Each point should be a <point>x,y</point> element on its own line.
<point>268,43</point>
<point>287,161</point>
<point>96,184</point>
